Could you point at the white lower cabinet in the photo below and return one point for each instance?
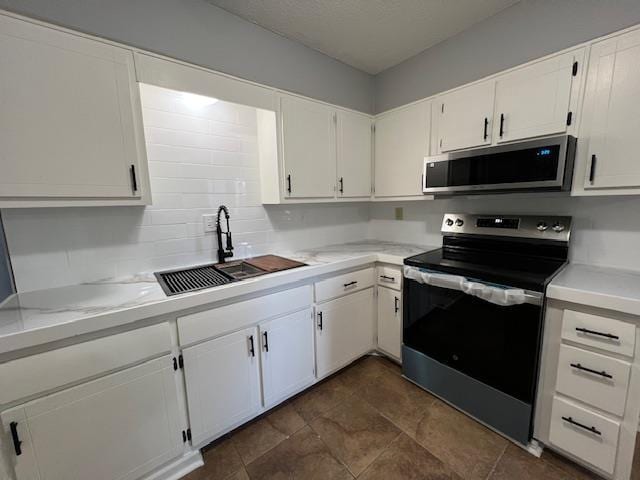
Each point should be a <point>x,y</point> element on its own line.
<point>223,383</point>
<point>585,434</point>
<point>287,356</point>
<point>344,331</point>
<point>120,426</point>
<point>389,321</point>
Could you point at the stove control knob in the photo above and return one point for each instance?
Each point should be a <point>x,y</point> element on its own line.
<point>557,227</point>
<point>542,226</point>
<point>449,222</point>
<point>459,222</point>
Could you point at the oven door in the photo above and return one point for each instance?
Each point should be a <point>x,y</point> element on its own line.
<point>497,345</point>
<point>479,356</point>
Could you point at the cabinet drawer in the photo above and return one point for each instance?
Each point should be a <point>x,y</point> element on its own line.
<point>229,318</point>
<point>343,284</point>
<point>585,434</point>
<point>599,332</point>
<point>390,277</point>
<point>49,370</point>
<point>593,378</point>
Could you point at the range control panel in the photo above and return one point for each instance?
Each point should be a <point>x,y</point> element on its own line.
<point>548,227</point>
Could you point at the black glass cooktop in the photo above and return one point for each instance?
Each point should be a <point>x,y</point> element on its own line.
<point>513,264</point>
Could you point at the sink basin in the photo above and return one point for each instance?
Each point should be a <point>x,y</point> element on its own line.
<point>174,282</point>
<point>239,270</point>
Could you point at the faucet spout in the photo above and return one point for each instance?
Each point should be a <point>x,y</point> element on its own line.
<point>224,253</point>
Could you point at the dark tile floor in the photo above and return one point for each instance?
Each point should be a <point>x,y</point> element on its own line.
<point>367,422</point>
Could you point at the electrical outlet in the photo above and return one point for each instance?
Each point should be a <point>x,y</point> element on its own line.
<point>209,222</point>
<point>399,213</point>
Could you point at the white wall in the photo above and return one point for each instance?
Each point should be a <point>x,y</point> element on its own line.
<point>199,158</point>
<point>606,230</point>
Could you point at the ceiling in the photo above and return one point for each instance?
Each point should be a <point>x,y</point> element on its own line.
<point>371,35</point>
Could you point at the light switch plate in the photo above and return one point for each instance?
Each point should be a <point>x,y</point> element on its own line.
<point>209,222</point>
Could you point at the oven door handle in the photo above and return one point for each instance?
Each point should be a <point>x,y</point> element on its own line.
<point>499,295</point>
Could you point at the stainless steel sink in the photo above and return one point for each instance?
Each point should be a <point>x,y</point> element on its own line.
<point>239,270</point>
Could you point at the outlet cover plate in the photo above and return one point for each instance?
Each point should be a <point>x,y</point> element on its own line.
<point>209,222</point>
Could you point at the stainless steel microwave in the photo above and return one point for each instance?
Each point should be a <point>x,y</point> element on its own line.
<point>538,165</point>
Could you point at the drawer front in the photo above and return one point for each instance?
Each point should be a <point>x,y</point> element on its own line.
<point>343,284</point>
<point>236,316</point>
<point>390,277</point>
<point>599,332</point>
<point>49,370</point>
<point>597,447</point>
<point>593,378</point>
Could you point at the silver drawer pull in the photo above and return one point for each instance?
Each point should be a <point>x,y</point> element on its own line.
<point>386,277</point>
<point>585,369</point>
<point>355,282</point>
<point>578,424</point>
<point>600,334</point>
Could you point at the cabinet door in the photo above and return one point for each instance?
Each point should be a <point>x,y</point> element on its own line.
<point>611,121</point>
<point>118,427</point>
<point>354,155</point>
<point>401,143</point>
<point>287,356</point>
<point>344,331</point>
<point>465,117</point>
<point>534,101</point>
<point>389,321</point>
<point>70,122</point>
<point>223,383</point>
<point>308,148</point>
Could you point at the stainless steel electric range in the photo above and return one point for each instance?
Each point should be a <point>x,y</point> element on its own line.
<point>473,314</point>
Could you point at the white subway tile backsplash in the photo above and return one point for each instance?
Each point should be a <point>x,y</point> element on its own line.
<point>199,158</point>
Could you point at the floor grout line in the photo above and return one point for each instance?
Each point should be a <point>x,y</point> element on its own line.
<point>495,464</point>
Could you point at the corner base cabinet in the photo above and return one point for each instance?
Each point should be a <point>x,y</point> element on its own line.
<point>120,426</point>
<point>344,330</point>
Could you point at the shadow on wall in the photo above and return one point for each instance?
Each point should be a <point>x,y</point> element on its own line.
<point>6,278</point>
<point>606,230</point>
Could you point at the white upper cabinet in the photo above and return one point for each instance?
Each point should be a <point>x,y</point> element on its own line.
<point>287,356</point>
<point>535,100</point>
<point>308,148</point>
<point>120,426</point>
<point>70,122</point>
<point>610,131</point>
<point>354,154</point>
<point>465,117</point>
<point>401,143</point>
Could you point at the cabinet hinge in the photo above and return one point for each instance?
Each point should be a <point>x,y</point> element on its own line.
<point>569,118</point>
<point>181,361</point>
<point>574,71</point>
<point>186,435</point>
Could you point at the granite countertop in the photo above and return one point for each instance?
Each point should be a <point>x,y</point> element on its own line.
<point>600,287</point>
<point>38,317</point>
